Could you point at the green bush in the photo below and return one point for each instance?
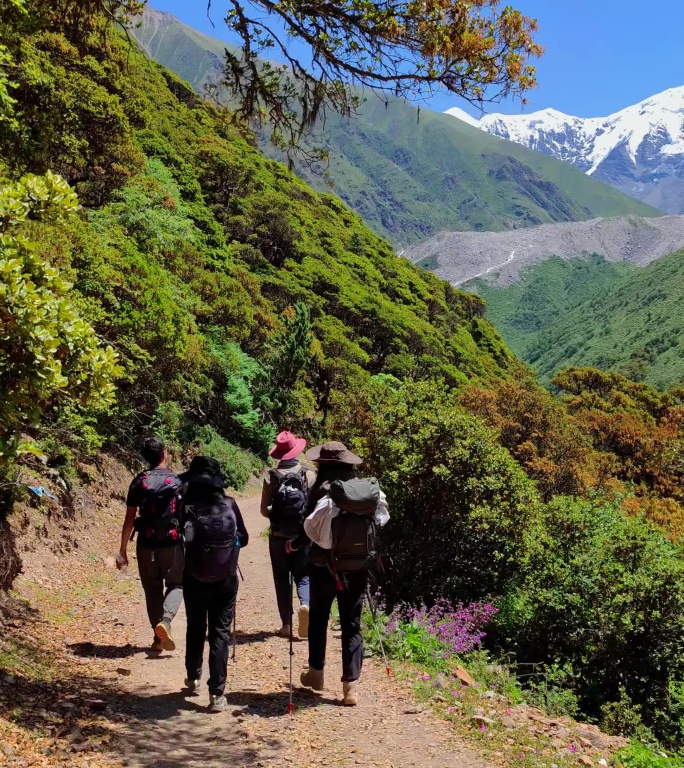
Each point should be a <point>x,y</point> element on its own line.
<point>237,466</point>
<point>460,505</point>
<point>603,593</point>
<point>48,353</point>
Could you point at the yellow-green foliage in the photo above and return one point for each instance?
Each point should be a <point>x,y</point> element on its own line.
<point>48,353</point>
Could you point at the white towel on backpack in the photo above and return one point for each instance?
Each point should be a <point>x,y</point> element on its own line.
<point>318,525</point>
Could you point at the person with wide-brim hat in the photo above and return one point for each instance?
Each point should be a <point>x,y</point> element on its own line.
<point>334,462</point>
<point>284,501</point>
<point>214,534</point>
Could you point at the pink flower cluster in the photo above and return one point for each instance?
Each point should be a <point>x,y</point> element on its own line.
<point>458,629</point>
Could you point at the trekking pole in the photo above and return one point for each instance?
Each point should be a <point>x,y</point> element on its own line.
<point>374,616</point>
<point>233,658</point>
<point>290,706</point>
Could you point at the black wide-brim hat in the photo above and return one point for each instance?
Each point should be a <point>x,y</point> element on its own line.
<point>203,472</point>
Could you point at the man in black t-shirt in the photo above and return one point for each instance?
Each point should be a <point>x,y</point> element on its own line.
<point>152,510</point>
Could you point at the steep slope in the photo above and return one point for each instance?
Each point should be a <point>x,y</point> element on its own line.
<point>639,150</point>
<point>410,175</point>
<point>543,293</point>
<point>498,257</point>
<point>206,264</point>
<point>589,312</point>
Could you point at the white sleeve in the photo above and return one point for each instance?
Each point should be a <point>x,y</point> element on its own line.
<point>318,525</point>
<point>382,514</point>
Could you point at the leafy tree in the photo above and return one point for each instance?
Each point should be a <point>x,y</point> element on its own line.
<point>460,504</point>
<point>399,49</point>
<point>48,353</point>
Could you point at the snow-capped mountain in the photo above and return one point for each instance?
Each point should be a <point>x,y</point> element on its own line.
<point>639,150</point>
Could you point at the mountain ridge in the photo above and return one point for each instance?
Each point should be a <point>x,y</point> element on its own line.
<point>409,174</point>
<point>638,149</point>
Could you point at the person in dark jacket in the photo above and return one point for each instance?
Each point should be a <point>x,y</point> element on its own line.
<point>334,462</point>
<point>213,529</point>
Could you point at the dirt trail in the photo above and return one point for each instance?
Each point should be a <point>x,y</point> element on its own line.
<point>164,729</point>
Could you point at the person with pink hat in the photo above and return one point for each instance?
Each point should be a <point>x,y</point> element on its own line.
<point>285,501</point>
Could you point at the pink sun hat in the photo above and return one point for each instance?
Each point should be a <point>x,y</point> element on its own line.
<point>288,446</point>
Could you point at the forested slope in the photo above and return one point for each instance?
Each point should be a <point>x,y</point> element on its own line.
<point>591,312</point>
<point>238,299</point>
<point>410,174</point>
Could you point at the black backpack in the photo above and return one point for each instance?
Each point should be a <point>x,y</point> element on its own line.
<point>290,501</point>
<point>159,522</point>
<point>353,530</point>
<point>210,554</point>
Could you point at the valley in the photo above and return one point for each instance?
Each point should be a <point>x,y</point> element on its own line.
<point>408,173</point>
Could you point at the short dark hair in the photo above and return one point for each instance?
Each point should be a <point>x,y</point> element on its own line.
<point>153,451</point>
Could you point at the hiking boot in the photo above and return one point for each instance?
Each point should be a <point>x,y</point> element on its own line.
<point>163,633</point>
<point>192,686</point>
<point>217,703</point>
<point>303,628</point>
<point>156,646</point>
<point>351,693</point>
<point>284,631</point>
<point>312,678</point>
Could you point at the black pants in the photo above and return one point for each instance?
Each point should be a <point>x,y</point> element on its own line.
<point>211,604</point>
<point>283,564</point>
<point>350,604</point>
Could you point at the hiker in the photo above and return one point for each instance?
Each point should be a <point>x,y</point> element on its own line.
<point>341,528</point>
<point>284,501</point>
<point>213,524</point>
<point>154,496</point>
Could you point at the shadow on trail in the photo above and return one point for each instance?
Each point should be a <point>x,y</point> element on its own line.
<point>253,637</point>
<point>90,650</point>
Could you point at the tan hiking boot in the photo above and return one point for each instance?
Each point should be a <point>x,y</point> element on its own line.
<point>351,693</point>
<point>156,646</point>
<point>303,628</point>
<point>163,634</point>
<point>312,678</point>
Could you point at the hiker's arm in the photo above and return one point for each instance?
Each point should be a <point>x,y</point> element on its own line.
<point>126,532</point>
<point>266,497</point>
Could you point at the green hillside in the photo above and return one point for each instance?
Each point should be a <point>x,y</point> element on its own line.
<point>207,265</point>
<point>589,312</point>
<point>411,175</point>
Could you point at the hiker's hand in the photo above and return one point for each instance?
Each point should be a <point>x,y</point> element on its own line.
<point>121,560</point>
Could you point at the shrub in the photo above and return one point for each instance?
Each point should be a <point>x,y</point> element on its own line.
<point>237,466</point>
<point>604,593</point>
<point>48,353</point>
<point>460,504</point>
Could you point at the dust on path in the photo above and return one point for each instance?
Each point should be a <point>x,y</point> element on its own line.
<point>159,727</point>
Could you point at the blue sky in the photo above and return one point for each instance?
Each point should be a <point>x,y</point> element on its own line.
<point>601,55</point>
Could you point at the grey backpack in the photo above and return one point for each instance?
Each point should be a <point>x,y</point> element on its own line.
<point>353,530</point>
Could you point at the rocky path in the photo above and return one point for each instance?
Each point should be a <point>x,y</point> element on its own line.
<point>170,730</point>
<point>150,722</point>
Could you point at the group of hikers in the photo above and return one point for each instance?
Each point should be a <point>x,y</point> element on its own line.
<point>321,540</point>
